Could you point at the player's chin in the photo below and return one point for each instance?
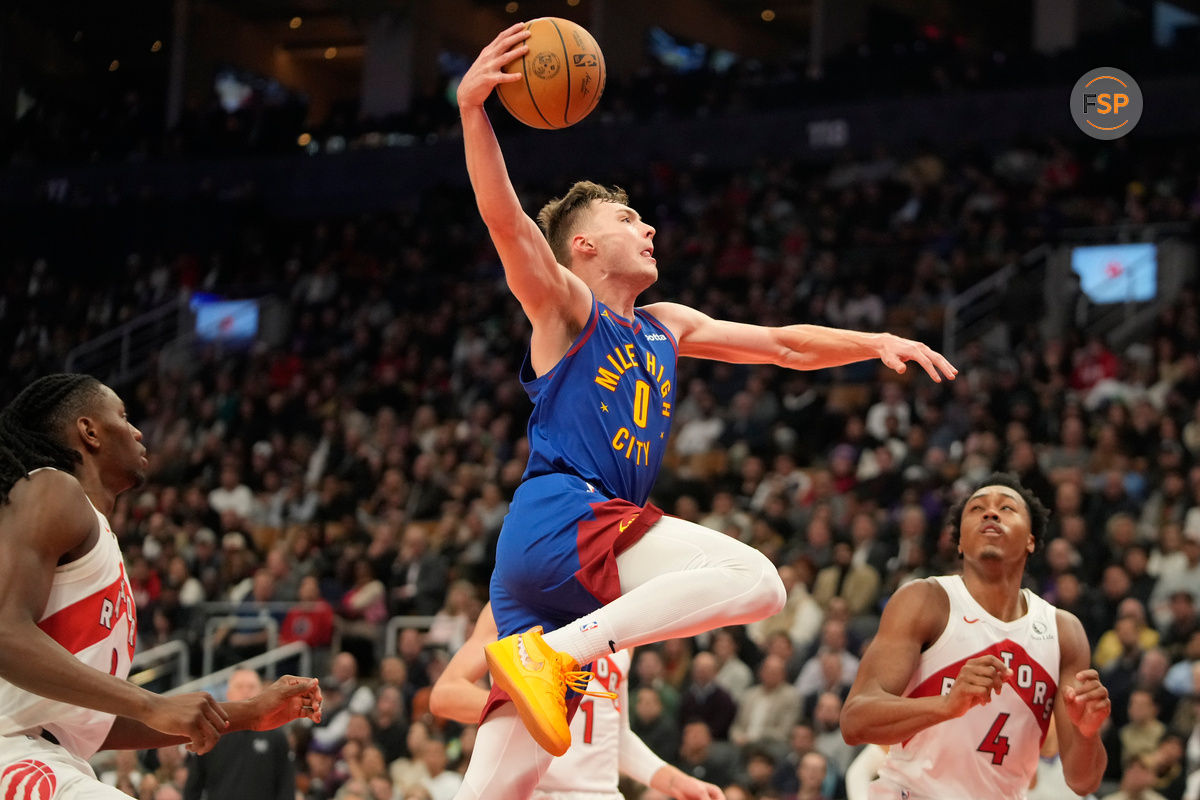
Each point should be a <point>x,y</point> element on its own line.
<point>137,479</point>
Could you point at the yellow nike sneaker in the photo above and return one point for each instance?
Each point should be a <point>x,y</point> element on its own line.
<point>536,677</point>
<point>533,674</point>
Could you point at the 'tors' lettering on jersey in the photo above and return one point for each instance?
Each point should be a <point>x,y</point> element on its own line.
<point>1032,683</point>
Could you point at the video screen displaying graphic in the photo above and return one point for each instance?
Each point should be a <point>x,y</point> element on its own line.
<point>1117,273</point>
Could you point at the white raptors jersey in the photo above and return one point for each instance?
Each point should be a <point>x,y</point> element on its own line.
<point>992,750</point>
<point>589,768</point>
<point>90,612</point>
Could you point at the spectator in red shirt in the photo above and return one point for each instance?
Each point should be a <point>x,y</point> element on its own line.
<point>310,621</point>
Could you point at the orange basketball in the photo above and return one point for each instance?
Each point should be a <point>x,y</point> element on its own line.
<point>564,75</point>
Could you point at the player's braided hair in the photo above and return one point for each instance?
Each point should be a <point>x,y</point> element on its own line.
<point>558,217</point>
<point>31,427</point>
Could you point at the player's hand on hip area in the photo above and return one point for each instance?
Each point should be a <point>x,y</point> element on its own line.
<point>288,698</point>
<point>485,73</point>
<point>1087,702</point>
<point>195,715</point>
<point>895,352</point>
<point>979,680</point>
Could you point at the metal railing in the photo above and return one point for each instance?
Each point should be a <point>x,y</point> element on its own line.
<point>262,620</point>
<point>128,351</point>
<point>398,623</point>
<point>214,682</point>
<point>150,664</point>
<point>972,313</point>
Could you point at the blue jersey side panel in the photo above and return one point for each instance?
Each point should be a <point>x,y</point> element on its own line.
<point>604,412</point>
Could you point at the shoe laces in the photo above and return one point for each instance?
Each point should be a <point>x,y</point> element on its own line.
<point>577,681</point>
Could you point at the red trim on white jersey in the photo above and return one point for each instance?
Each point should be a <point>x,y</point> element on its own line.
<point>91,619</point>
<point>991,750</point>
<point>1024,685</point>
<point>90,613</point>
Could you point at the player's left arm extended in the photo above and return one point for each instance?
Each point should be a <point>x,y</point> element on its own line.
<point>288,698</point>
<point>803,347</point>
<point>457,694</point>
<point>638,761</point>
<point>1080,709</point>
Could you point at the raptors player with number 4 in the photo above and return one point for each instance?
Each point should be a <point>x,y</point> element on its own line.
<point>602,744</point>
<point>967,673</point>
<point>67,618</point>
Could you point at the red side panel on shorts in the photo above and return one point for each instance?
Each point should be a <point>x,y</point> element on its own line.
<point>616,526</point>
<point>499,697</point>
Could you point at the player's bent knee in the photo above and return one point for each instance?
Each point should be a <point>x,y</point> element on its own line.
<point>774,594</point>
<point>767,595</point>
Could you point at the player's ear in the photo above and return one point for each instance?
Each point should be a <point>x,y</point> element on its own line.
<point>86,431</point>
<point>582,244</point>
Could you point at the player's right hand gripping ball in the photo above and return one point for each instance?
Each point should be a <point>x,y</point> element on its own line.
<point>564,75</point>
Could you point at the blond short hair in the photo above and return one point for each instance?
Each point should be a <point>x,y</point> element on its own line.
<point>559,217</point>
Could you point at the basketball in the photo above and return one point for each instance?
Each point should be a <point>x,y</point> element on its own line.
<point>564,75</point>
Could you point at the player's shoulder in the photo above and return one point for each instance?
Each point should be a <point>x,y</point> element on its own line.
<point>921,606</point>
<point>921,592</point>
<point>1068,623</point>
<point>50,500</point>
<point>46,484</point>
<point>674,314</point>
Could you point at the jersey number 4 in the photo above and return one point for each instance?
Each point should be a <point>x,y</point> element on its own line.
<point>994,743</point>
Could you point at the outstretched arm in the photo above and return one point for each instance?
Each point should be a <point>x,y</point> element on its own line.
<point>551,296</point>
<point>1080,709</point>
<point>287,699</point>
<point>876,711</point>
<point>639,762</point>
<point>803,347</point>
<point>457,694</point>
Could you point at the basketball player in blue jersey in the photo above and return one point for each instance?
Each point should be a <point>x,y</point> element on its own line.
<point>582,554</point>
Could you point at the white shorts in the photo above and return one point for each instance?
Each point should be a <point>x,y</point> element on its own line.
<point>540,795</point>
<point>32,768</point>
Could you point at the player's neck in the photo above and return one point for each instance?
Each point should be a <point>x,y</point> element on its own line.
<point>620,301</point>
<point>999,594</point>
<point>103,498</point>
<point>616,289</point>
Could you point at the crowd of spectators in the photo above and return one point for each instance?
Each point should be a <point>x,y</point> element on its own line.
<point>358,467</point>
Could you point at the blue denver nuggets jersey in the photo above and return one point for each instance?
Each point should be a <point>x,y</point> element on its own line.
<point>603,412</point>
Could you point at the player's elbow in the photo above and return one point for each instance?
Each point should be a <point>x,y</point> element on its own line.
<point>1086,784</point>
<point>852,725</point>
<point>439,700</point>
<point>1084,788</point>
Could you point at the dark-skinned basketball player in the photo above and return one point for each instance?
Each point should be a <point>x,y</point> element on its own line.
<point>966,674</point>
<point>67,618</point>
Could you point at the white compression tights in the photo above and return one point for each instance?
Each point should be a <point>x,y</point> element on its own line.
<point>679,579</point>
<point>506,763</point>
